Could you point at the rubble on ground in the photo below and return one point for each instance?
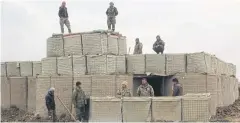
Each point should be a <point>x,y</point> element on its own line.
<point>228,113</point>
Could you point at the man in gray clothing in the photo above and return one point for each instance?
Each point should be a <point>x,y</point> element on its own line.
<point>177,88</point>
<point>111,13</point>
<point>79,99</point>
<point>63,15</point>
<point>138,47</point>
<point>159,45</point>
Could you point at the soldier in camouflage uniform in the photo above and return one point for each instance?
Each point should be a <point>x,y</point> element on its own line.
<point>138,47</point>
<point>177,88</point>
<point>145,90</point>
<point>63,15</point>
<point>79,99</point>
<point>159,45</point>
<point>124,91</point>
<point>111,12</point>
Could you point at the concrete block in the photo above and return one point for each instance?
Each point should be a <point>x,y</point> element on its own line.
<point>73,45</point>
<point>86,81</point>
<point>63,89</point>
<point>103,85</point>
<point>104,109</point>
<point>19,92</point>
<point>3,69</point>
<point>120,65</point>
<point>199,63</point>
<point>122,45</point>
<point>136,64</point>
<point>175,63</point>
<point>37,68</point>
<point>196,107</point>
<point>5,92</point>
<point>49,66</point>
<point>13,69</point>
<point>79,65</point>
<point>55,47</point>
<point>121,78</point>
<point>112,44</point>
<point>64,65</point>
<point>136,109</point>
<point>166,108</point>
<point>155,63</point>
<point>31,94</point>
<point>43,84</point>
<point>95,43</point>
<point>26,68</point>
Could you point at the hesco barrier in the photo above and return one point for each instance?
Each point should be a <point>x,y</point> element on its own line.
<point>26,68</point>
<point>112,44</point>
<point>155,63</point>
<point>136,64</point>
<point>105,109</point>
<point>5,92</point>
<point>175,63</point>
<point>3,69</point>
<point>37,68</point>
<point>64,65</point>
<point>55,47</point>
<point>196,107</point>
<point>13,69</point>
<point>73,45</point>
<point>122,46</point>
<point>166,108</point>
<point>79,65</point>
<point>136,109</point>
<point>49,66</point>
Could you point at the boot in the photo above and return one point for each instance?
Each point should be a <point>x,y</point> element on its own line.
<point>113,27</point>
<point>69,31</point>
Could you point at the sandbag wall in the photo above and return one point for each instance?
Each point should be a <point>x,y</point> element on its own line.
<point>190,107</point>
<point>21,68</point>
<point>86,44</point>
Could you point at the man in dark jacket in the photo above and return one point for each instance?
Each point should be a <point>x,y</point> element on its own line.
<point>159,45</point>
<point>79,101</point>
<point>177,88</point>
<point>63,15</point>
<point>111,13</point>
<point>50,103</point>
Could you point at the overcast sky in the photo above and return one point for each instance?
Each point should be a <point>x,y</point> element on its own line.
<point>212,26</point>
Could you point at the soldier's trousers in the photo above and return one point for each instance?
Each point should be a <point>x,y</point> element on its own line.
<point>111,21</point>
<point>67,23</point>
<point>159,49</point>
<point>80,111</point>
<point>52,115</point>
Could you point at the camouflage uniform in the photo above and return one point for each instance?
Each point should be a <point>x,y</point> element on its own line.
<point>177,89</point>
<point>63,15</point>
<point>138,48</point>
<point>158,46</point>
<point>78,100</point>
<point>124,92</point>
<point>111,13</point>
<point>145,90</point>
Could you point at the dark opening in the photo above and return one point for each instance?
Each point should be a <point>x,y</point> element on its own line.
<point>161,84</point>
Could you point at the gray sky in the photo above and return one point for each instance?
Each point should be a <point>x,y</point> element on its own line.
<point>212,26</point>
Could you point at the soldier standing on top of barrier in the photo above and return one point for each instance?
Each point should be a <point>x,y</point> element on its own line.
<point>145,90</point>
<point>63,15</point>
<point>159,45</point>
<point>138,47</point>
<point>79,101</point>
<point>177,88</point>
<point>124,91</point>
<point>50,103</point>
<point>111,12</point>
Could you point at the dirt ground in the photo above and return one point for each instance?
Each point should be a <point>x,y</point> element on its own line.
<point>14,114</point>
<point>229,113</point>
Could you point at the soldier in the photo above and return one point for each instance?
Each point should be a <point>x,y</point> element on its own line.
<point>111,12</point>
<point>124,91</point>
<point>177,88</point>
<point>159,45</point>
<point>79,99</point>
<point>138,47</point>
<point>63,15</point>
<point>145,89</point>
<point>50,103</point>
